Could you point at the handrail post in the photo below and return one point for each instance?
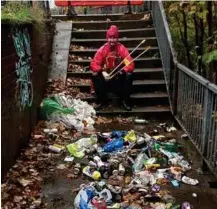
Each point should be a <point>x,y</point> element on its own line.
<point>207,119</point>
<point>175,87</point>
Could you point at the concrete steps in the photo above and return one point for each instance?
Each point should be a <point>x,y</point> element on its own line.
<point>128,42</point>
<point>153,51</point>
<point>91,34</point>
<point>149,95</point>
<point>99,17</point>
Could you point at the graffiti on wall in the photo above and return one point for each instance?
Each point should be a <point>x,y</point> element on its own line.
<point>24,70</point>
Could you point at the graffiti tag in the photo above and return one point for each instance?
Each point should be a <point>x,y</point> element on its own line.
<point>21,40</point>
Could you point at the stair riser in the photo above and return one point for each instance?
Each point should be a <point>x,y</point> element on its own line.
<point>106,25</point>
<point>149,53</point>
<point>149,88</point>
<point>149,115</point>
<point>136,75</point>
<point>140,101</point>
<point>135,88</point>
<point>128,34</point>
<point>127,43</point>
<point>98,17</point>
<point>156,63</point>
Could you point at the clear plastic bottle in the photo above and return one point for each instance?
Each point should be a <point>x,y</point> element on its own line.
<point>139,162</point>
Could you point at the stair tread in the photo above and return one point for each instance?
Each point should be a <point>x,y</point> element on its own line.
<point>151,109</point>
<point>135,82</point>
<point>120,39</point>
<point>137,70</point>
<point>129,48</point>
<point>136,95</point>
<point>110,21</point>
<point>137,60</point>
<point>120,30</point>
<point>101,15</point>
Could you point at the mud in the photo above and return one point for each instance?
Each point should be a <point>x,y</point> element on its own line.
<point>58,189</point>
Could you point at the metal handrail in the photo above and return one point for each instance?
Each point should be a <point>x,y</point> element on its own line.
<point>193,99</point>
<point>174,56</point>
<point>194,75</point>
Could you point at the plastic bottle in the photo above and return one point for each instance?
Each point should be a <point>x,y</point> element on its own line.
<point>168,154</point>
<point>87,142</point>
<point>171,147</point>
<point>78,148</point>
<point>184,164</point>
<point>139,162</point>
<point>114,145</point>
<point>190,181</point>
<point>140,121</point>
<point>118,133</point>
<point>140,140</point>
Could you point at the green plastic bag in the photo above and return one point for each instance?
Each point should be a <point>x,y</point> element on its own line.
<point>73,149</point>
<point>49,106</point>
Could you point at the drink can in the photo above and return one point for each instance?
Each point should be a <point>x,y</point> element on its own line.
<point>121,169</point>
<point>54,149</point>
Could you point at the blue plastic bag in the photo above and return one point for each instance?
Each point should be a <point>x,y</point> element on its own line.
<point>117,134</point>
<point>83,197</point>
<point>114,145</point>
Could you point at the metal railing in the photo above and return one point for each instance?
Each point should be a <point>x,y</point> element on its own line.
<point>114,9</point>
<point>193,99</point>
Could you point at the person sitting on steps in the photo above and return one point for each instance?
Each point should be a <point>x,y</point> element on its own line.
<point>107,57</point>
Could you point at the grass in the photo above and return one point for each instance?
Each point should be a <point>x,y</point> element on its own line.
<point>22,13</point>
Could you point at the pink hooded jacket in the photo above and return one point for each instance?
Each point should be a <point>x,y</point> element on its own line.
<point>104,57</point>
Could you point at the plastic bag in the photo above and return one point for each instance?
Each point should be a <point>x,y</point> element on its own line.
<point>131,136</point>
<point>114,145</point>
<point>50,106</point>
<point>73,149</point>
<point>118,133</point>
<point>83,197</point>
<point>78,148</point>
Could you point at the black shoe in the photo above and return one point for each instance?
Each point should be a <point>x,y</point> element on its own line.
<point>100,106</point>
<point>128,13</point>
<point>125,106</point>
<point>69,14</point>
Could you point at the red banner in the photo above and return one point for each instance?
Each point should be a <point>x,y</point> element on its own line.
<point>97,3</point>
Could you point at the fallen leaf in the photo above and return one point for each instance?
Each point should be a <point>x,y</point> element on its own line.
<point>17,198</point>
<point>61,166</point>
<point>24,182</point>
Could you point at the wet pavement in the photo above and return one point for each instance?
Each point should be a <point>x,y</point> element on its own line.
<point>61,186</point>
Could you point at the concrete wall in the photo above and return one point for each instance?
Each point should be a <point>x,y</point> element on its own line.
<point>24,73</point>
<point>60,53</point>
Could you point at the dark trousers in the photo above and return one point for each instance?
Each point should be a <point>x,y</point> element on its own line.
<point>120,85</point>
